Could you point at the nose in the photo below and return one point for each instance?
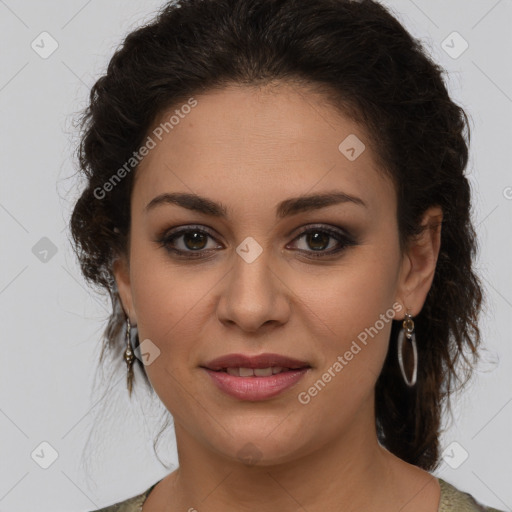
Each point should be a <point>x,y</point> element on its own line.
<point>253,295</point>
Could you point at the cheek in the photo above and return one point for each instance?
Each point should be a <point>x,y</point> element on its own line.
<point>354,294</point>
<point>167,300</point>
<point>351,315</point>
<point>166,295</point>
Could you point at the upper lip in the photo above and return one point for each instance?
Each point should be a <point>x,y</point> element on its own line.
<point>259,361</point>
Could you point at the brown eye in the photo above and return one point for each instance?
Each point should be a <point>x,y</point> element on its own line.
<point>195,240</point>
<point>318,240</point>
<point>190,242</point>
<point>324,241</point>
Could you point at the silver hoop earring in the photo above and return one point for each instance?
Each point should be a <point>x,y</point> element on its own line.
<point>407,331</point>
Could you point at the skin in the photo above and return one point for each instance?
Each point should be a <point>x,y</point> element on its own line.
<point>249,149</point>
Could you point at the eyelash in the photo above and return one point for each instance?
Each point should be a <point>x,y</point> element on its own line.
<point>344,239</point>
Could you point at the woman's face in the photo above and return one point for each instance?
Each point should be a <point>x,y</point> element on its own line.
<point>263,268</point>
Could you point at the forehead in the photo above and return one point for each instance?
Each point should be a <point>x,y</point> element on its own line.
<point>241,142</point>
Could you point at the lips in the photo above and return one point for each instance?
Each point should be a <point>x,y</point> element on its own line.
<point>259,362</point>
<point>255,378</point>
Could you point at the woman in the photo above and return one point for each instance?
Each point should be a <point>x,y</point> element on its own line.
<point>276,203</point>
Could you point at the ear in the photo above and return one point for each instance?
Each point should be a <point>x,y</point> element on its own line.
<point>419,263</point>
<point>121,271</point>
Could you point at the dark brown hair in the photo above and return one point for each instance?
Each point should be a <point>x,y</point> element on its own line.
<point>363,61</point>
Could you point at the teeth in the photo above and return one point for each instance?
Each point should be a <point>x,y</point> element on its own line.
<point>258,372</point>
<point>262,372</point>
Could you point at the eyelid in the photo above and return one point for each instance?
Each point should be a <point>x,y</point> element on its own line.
<point>304,229</point>
<point>166,233</point>
<point>326,228</point>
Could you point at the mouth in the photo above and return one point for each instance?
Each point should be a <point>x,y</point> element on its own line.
<point>256,372</point>
<point>255,377</point>
<point>262,365</point>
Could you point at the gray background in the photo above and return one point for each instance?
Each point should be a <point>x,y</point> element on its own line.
<point>51,321</point>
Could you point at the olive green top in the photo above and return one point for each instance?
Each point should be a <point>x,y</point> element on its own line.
<point>452,500</point>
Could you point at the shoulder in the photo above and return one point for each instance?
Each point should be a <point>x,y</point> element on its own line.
<point>455,500</point>
<point>133,504</point>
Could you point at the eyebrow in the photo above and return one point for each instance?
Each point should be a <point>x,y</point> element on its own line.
<point>286,208</point>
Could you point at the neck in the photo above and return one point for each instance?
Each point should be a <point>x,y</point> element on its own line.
<point>350,472</point>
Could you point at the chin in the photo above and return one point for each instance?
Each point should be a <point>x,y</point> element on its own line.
<point>261,448</point>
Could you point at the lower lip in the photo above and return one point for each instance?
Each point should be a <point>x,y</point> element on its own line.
<point>256,388</point>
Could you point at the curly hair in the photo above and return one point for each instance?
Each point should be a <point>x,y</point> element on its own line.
<point>365,63</point>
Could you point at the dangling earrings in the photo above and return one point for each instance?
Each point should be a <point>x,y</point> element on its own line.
<point>129,356</point>
<point>407,331</point>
